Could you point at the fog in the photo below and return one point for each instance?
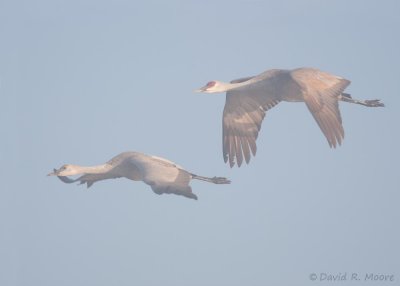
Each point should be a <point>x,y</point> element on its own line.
<point>82,81</point>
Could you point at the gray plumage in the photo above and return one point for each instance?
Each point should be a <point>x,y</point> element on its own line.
<point>248,99</point>
<point>164,176</point>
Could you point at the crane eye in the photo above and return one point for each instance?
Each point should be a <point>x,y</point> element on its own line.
<point>211,84</point>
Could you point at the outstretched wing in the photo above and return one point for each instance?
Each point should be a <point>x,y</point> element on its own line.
<point>243,114</point>
<point>321,93</point>
<point>164,177</point>
<point>179,186</point>
<point>242,120</point>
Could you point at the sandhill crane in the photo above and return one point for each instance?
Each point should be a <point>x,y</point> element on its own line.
<point>164,176</point>
<point>247,100</point>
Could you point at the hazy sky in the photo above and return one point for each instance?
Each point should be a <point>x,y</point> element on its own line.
<point>81,81</point>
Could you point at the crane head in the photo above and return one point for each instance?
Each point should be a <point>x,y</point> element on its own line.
<point>65,170</point>
<point>212,87</point>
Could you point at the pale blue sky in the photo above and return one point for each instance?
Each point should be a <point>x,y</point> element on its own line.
<point>81,81</point>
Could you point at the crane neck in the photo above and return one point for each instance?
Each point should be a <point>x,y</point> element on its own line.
<point>98,169</point>
<point>230,86</point>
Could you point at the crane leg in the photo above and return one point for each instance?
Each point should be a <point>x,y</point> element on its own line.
<point>370,103</point>
<point>215,180</point>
